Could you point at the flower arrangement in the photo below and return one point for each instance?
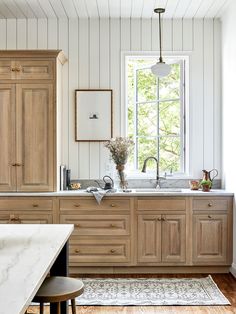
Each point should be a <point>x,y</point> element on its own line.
<point>120,148</point>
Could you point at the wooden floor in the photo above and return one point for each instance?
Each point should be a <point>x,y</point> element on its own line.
<point>226,283</point>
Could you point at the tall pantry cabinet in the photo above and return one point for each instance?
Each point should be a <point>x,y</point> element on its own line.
<point>29,99</point>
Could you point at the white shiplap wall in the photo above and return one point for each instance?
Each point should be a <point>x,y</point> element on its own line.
<point>93,48</point>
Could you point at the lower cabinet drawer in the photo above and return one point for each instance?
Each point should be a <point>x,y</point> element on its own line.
<point>30,204</point>
<point>99,251</point>
<point>210,204</point>
<point>25,218</point>
<point>99,224</point>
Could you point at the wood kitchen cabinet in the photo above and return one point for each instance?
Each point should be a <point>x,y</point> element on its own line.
<point>161,231</point>
<point>134,234</point>
<point>161,238</point>
<point>212,231</point>
<point>28,97</point>
<point>102,233</point>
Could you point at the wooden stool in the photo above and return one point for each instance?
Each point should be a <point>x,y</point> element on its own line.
<point>58,289</point>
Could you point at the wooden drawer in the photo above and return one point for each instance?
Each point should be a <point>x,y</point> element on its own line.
<point>98,224</point>
<point>91,204</point>
<point>210,204</point>
<point>25,218</point>
<point>96,251</point>
<point>26,204</point>
<point>161,204</point>
<point>27,69</point>
<point>35,70</point>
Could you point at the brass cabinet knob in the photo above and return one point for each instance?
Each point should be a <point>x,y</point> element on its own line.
<point>77,205</point>
<point>35,205</point>
<point>209,216</point>
<point>13,69</point>
<point>159,219</point>
<point>77,225</point>
<point>112,225</point>
<point>77,251</point>
<point>210,204</point>
<point>112,251</point>
<point>113,205</point>
<point>163,219</point>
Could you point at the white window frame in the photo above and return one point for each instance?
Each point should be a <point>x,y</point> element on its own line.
<point>124,117</point>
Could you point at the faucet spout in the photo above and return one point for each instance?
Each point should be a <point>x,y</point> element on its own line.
<point>157,169</point>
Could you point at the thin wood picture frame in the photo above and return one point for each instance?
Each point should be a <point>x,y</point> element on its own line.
<point>93,115</point>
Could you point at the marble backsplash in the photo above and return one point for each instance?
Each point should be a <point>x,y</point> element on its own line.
<point>149,183</point>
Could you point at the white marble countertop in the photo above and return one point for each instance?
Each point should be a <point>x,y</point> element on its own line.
<point>27,253</point>
<point>133,192</point>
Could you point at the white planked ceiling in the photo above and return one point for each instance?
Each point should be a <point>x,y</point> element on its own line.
<point>111,8</point>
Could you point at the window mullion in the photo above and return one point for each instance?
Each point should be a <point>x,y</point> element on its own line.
<point>158,119</point>
<point>135,120</point>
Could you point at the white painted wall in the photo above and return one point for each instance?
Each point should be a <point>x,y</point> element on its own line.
<point>94,48</point>
<point>229,106</point>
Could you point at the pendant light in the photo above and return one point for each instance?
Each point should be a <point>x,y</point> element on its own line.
<point>160,68</point>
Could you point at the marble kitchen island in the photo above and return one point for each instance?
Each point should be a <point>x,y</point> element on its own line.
<point>27,253</point>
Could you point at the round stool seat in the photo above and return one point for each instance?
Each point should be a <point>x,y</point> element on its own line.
<point>59,289</point>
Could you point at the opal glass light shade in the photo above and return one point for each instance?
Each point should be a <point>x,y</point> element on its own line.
<point>161,69</point>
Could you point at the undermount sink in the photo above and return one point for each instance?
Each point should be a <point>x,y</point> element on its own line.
<point>153,190</point>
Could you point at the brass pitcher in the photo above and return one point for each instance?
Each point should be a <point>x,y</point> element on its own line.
<point>207,180</point>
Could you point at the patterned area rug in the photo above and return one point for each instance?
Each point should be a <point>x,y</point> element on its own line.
<point>154,291</point>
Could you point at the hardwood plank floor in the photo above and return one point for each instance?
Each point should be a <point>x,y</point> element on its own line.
<point>226,283</point>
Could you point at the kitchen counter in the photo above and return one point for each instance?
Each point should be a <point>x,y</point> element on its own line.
<point>133,192</point>
<point>27,253</point>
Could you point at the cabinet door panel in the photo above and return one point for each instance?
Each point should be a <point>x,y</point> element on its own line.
<point>173,238</point>
<point>149,238</point>
<point>34,137</point>
<point>210,239</point>
<point>7,138</point>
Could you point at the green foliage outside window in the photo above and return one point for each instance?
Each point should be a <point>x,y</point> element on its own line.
<point>155,114</point>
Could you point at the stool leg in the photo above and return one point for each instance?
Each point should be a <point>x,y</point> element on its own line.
<point>58,308</point>
<point>41,308</point>
<point>73,306</point>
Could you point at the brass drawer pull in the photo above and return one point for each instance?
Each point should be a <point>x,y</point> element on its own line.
<point>113,205</point>
<point>35,205</point>
<point>112,251</point>
<point>77,205</point>
<point>14,219</point>
<point>112,225</point>
<point>210,204</point>
<point>209,216</point>
<point>16,69</point>
<point>77,251</point>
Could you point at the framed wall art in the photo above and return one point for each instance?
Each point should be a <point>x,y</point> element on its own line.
<point>93,115</point>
